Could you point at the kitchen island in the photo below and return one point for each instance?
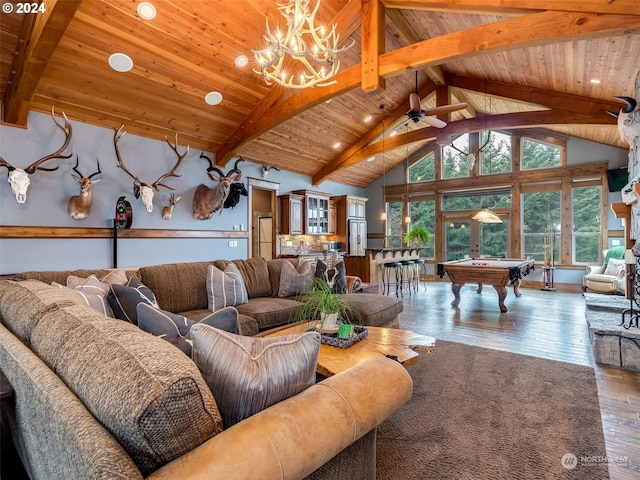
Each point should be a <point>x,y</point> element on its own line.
<point>369,266</point>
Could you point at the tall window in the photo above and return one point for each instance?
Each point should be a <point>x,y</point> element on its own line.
<point>538,154</point>
<point>454,163</point>
<point>541,224</point>
<point>394,224</point>
<point>496,155</point>
<point>423,170</point>
<point>585,219</point>
<point>423,214</point>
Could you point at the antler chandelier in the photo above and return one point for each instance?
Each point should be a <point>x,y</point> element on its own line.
<point>303,57</point>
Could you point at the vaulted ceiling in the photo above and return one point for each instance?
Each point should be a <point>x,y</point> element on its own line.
<point>519,64</point>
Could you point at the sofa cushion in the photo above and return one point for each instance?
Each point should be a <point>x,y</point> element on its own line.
<point>22,304</point>
<point>225,288</point>
<point>374,309</point>
<point>249,374</point>
<point>269,311</point>
<point>92,291</point>
<point>255,274</point>
<point>124,299</point>
<point>60,277</point>
<point>176,328</point>
<point>274,266</point>
<point>149,395</point>
<point>294,281</point>
<point>178,287</point>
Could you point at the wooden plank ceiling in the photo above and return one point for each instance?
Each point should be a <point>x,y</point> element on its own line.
<point>518,64</point>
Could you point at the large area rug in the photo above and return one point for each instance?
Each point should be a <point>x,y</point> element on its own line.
<point>486,414</point>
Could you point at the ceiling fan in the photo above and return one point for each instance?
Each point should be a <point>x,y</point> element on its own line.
<point>416,113</point>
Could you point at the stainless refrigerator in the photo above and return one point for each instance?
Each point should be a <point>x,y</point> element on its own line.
<point>357,238</point>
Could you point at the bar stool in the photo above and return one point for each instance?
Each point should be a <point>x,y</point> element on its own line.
<point>391,277</point>
<point>420,270</point>
<point>407,275</point>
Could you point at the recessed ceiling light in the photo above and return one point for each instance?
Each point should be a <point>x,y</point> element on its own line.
<point>213,98</point>
<point>337,145</point>
<point>146,11</point>
<point>120,62</point>
<point>595,81</point>
<point>394,133</point>
<point>368,118</point>
<point>241,61</point>
<point>371,159</point>
<point>328,101</point>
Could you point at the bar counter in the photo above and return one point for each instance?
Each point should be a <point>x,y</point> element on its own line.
<point>369,266</point>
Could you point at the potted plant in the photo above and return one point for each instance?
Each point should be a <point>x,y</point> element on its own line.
<point>418,236</point>
<point>321,303</point>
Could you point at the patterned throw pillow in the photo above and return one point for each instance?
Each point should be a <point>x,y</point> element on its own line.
<point>295,282</point>
<point>176,329</point>
<point>249,374</point>
<point>335,276</point>
<point>614,267</point>
<point>124,299</point>
<point>92,291</point>
<point>225,288</point>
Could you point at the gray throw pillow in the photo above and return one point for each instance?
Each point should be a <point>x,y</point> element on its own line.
<point>295,281</point>
<point>249,374</point>
<point>124,299</point>
<point>225,288</point>
<point>92,291</point>
<point>176,329</point>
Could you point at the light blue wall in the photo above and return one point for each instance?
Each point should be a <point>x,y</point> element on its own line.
<point>49,192</point>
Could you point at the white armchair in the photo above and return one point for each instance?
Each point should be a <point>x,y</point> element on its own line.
<point>609,279</point>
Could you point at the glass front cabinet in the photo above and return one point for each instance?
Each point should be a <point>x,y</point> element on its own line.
<point>317,208</point>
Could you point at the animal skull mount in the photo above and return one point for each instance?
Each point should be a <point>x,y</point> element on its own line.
<point>79,206</point>
<point>266,169</point>
<point>168,210</point>
<point>628,120</point>
<point>207,201</point>
<point>19,178</point>
<point>142,190</point>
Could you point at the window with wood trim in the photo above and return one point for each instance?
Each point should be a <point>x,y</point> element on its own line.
<point>537,153</point>
<point>423,170</point>
<point>586,224</point>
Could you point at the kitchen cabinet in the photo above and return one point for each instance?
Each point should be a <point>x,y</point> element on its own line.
<point>333,217</point>
<point>291,214</point>
<point>351,227</point>
<point>316,210</point>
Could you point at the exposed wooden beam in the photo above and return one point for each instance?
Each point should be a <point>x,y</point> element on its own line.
<point>347,20</point>
<point>502,7</point>
<point>373,45</point>
<point>547,98</point>
<point>434,72</point>
<point>520,32</point>
<point>39,39</point>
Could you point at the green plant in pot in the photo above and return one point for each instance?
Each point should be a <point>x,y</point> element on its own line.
<point>417,236</point>
<point>321,303</point>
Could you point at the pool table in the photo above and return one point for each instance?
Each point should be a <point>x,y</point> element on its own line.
<point>499,272</point>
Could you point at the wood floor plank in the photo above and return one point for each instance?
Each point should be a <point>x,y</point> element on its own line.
<point>544,324</point>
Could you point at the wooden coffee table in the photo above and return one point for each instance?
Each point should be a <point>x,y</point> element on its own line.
<point>401,345</point>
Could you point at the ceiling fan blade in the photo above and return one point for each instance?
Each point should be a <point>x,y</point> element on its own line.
<point>434,122</point>
<point>453,107</point>
<point>414,103</point>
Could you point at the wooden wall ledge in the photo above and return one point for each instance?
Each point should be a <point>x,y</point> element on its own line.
<point>12,231</point>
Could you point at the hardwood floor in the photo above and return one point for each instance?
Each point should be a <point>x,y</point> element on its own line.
<point>542,324</point>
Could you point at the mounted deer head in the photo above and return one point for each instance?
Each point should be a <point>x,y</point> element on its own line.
<point>79,206</point>
<point>207,201</point>
<point>19,178</point>
<point>168,210</point>
<point>145,190</point>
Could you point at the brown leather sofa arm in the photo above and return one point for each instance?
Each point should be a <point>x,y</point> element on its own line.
<point>353,283</point>
<point>295,437</point>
